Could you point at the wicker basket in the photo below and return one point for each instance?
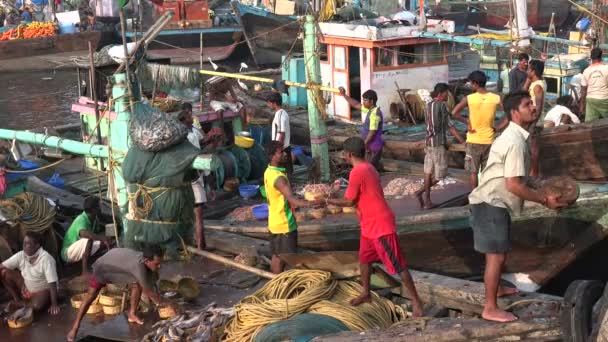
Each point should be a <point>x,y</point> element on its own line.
<point>111,310</point>
<point>314,196</point>
<point>77,300</point>
<point>301,216</point>
<point>165,312</point>
<point>188,288</point>
<point>94,309</point>
<point>317,213</point>
<point>333,210</point>
<point>109,300</point>
<point>23,321</point>
<point>349,210</point>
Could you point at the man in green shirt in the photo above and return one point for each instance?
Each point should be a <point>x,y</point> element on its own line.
<point>80,241</point>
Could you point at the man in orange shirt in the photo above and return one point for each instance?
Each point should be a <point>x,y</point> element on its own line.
<point>482,112</point>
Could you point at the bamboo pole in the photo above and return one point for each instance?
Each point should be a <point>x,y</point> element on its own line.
<point>229,262</point>
<point>269,80</point>
<point>201,67</point>
<point>94,97</point>
<point>123,30</point>
<point>318,131</point>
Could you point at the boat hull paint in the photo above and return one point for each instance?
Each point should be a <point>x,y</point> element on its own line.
<point>495,13</point>
<point>441,241</point>
<point>272,35</point>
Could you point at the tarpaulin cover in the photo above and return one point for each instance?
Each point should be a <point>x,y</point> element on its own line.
<point>164,179</point>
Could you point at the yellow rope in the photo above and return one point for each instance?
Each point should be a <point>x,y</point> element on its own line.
<point>297,291</point>
<point>38,169</point>
<point>379,313</point>
<point>30,210</point>
<point>143,195</point>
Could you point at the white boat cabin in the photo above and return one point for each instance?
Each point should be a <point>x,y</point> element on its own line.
<point>359,57</point>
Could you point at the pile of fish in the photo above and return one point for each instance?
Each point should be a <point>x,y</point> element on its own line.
<point>405,186</point>
<point>241,214</point>
<point>191,325</point>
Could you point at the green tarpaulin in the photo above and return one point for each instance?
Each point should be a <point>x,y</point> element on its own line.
<point>161,201</point>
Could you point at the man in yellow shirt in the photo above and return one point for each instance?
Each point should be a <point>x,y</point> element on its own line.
<point>482,112</point>
<point>281,204</point>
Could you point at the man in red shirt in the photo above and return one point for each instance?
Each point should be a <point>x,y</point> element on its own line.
<point>379,240</point>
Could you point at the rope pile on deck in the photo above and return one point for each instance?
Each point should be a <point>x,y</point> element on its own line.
<point>29,210</point>
<point>299,291</point>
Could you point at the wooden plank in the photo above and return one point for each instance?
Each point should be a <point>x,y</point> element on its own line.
<point>466,295</point>
<point>451,329</point>
<point>236,244</point>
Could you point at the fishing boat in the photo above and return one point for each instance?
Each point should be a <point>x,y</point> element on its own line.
<point>441,241</point>
<point>192,26</point>
<point>495,13</point>
<point>270,35</point>
<point>18,48</point>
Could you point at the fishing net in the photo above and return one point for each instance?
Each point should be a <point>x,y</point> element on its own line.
<point>152,130</point>
<point>301,328</point>
<point>160,197</point>
<point>259,161</point>
<point>243,162</point>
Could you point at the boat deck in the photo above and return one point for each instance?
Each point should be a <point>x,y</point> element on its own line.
<point>219,284</point>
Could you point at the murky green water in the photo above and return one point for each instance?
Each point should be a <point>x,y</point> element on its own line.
<point>38,99</point>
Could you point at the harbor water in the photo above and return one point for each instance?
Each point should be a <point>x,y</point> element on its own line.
<point>37,99</point>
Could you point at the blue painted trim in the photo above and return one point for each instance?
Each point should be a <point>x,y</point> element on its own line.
<point>227,29</point>
<point>465,40</point>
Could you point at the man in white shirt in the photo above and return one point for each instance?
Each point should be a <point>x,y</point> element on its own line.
<point>594,88</point>
<point>281,131</point>
<point>196,138</point>
<point>31,275</point>
<point>501,193</point>
<point>503,80</point>
<point>561,113</point>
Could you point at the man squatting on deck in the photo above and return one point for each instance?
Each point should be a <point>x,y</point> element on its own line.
<point>80,242</point>
<point>501,193</point>
<point>281,204</point>
<point>31,276</point>
<point>124,266</point>
<point>379,240</point>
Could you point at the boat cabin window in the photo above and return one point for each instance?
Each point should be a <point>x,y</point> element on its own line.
<point>434,53</point>
<point>552,85</point>
<point>384,56</point>
<point>323,52</point>
<point>364,56</point>
<point>410,54</point>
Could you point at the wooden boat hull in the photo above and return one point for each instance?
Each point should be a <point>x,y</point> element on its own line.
<point>272,35</point>
<point>441,241</point>
<point>578,151</point>
<point>48,45</point>
<point>495,13</point>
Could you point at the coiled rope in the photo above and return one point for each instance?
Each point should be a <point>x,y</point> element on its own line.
<point>298,291</point>
<point>30,210</point>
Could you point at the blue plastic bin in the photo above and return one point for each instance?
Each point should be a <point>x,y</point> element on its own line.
<point>56,181</point>
<point>260,212</point>
<point>248,191</point>
<point>24,165</point>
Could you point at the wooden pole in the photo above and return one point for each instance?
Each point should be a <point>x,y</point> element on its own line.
<point>123,29</point>
<point>232,263</point>
<point>318,131</point>
<point>94,98</point>
<point>239,19</point>
<point>202,83</point>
